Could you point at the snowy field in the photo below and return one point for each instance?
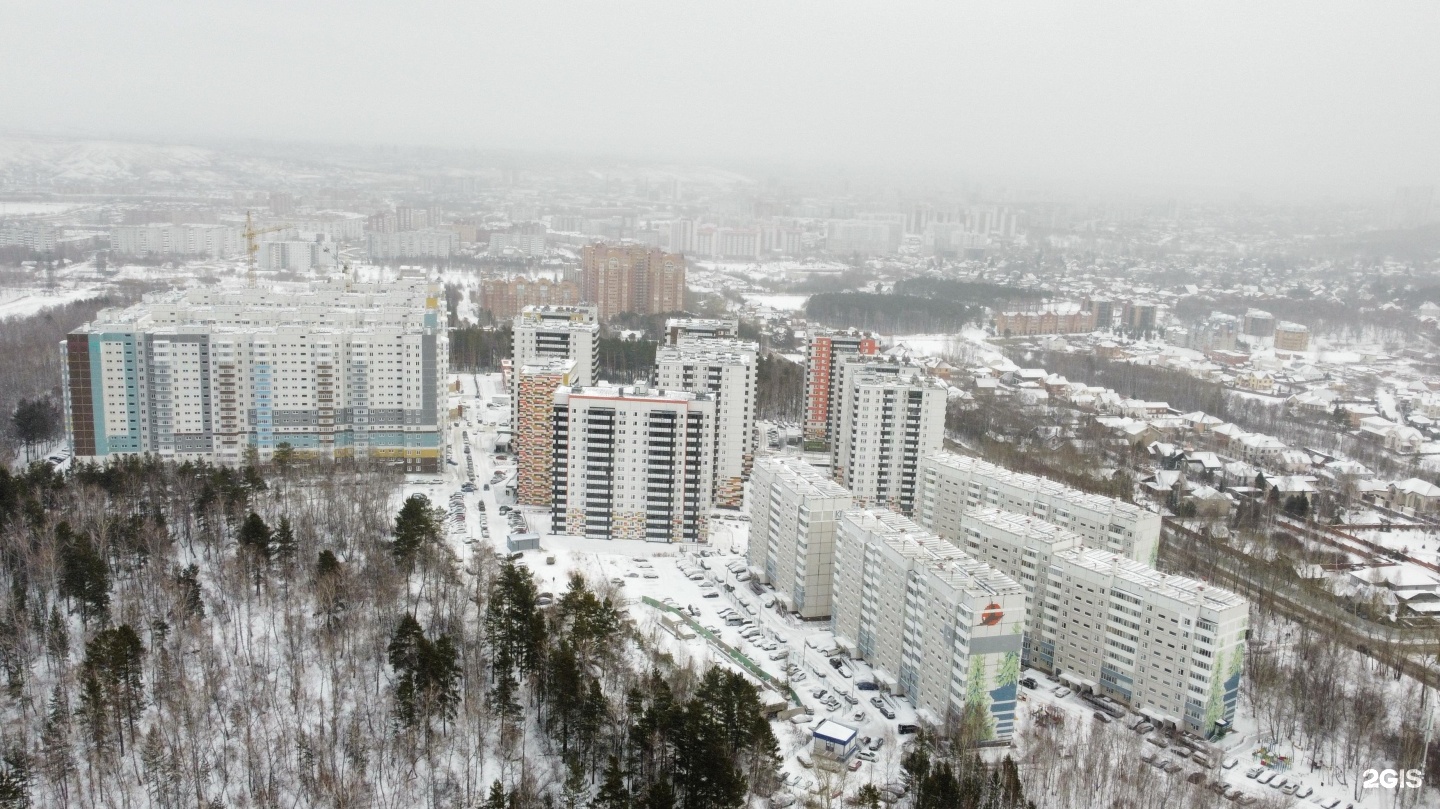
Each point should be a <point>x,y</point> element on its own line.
<point>780,303</point>
<point>23,303</point>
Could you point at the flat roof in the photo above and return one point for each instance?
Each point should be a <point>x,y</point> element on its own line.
<point>832,731</point>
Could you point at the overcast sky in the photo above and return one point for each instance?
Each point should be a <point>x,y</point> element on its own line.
<point>1258,95</point>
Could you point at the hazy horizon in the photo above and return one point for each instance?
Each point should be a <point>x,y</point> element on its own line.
<point>1280,99</point>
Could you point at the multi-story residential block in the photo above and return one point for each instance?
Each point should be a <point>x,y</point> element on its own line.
<point>794,508</point>
<point>1169,646</point>
<point>504,298</point>
<point>334,370</point>
<point>534,430</point>
<point>888,423</point>
<point>430,243</point>
<point>725,369</point>
<point>1291,337</point>
<point>1046,318</point>
<point>34,234</point>
<point>1259,323</point>
<point>528,239</point>
<point>943,629</point>
<point>822,377</point>
<point>545,333</point>
<point>632,278</point>
<point>632,463</point>
<point>294,255</point>
<point>952,483</point>
<point>212,241</point>
<point>678,327</point>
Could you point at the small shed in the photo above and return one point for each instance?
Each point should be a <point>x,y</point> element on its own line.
<point>516,543</point>
<point>833,741</point>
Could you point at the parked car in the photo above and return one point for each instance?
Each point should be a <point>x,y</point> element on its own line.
<point>1102,717</point>
<point>1029,682</point>
<point>1061,691</point>
<point>886,712</point>
<point>905,730</point>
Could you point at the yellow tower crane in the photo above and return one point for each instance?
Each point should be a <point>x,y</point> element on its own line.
<point>250,246</point>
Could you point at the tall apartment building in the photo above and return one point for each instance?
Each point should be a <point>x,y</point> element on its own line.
<point>412,244</point>
<point>632,278</point>
<point>212,241</point>
<point>34,234</point>
<point>333,370</point>
<point>632,463</point>
<point>941,627</point>
<point>1259,323</point>
<point>724,369</point>
<point>505,298</point>
<point>888,423</point>
<point>952,483</point>
<point>821,378</point>
<point>794,508</point>
<point>529,238</point>
<point>534,431</point>
<point>294,255</point>
<point>678,327</point>
<point>545,333</point>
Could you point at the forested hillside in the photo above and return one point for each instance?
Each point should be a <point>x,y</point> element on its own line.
<point>891,314</point>
<point>203,637</point>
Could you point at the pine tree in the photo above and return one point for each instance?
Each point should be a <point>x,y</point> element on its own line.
<point>285,545</point>
<point>572,794</point>
<point>192,601</point>
<point>57,762</point>
<point>496,799</point>
<point>257,544</point>
<point>613,794</point>
<point>415,527</point>
<point>15,779</point>
<point>84,576</point>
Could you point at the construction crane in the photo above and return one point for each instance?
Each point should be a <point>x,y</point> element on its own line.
<point>250,246</point>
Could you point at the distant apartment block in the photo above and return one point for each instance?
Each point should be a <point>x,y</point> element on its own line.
<point>34,234</point>
<point>888,423</point>
<point>293,255</point>
<point>794,510</point>
<point>632,463</point>
<point>534,430</point>
<point>529,239</point>
<point>207,241</point>
<point>1049,318</point>
<point>678,327</point>
<point>825,349</point>
<point>333,370</point>
<point>1259,323</point>
<point>504,298</point>
<point>404,244</point>
<point>1291,337</point>
<point>943,629</point>
<point>724,369</point>
<point>546,333</point>
<point>952,483</point>
<point>632,278</point>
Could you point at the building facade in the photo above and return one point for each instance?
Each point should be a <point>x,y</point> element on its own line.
<point>944,630</point>
<point>826,347</point>
<point>632,278</point>
<point>209,241</point>
<point>504,298</point>
<point>1050,318</point>
<point>429,243</point>
<point>545,333</point>
<point>678,327</point>
<point>724,369</point>
<point>632,463</point>
<point>1291,337</point>
<point>952,483</point>
<point>794,508</point>
<point>333,370</point>
<point>534,431</point>
<point>888,423</point>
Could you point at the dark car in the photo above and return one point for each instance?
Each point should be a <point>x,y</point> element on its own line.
<point>904,730</point>
<point>867,685</point>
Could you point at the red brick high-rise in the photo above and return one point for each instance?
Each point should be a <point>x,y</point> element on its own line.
<point>632,278</point>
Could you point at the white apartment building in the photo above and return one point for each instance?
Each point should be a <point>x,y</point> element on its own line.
<point>294,255</point>
<point>546,333</point>
<point>725,369</point>
<point>429,243</point>
<point>334,370</point>
<point>335,226</point>
<point>952,483</point>
<point>530,244</point>
<point>888,423</point>
<point>210,241</point>
<point>941,628</point>
<point>794,508</point>
<point>632,463</point>
<point>34,234</point>
<point>1169,646</point>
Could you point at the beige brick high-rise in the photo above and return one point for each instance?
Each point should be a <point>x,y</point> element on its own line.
<point>632,278</point>
<point>535,430</point>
